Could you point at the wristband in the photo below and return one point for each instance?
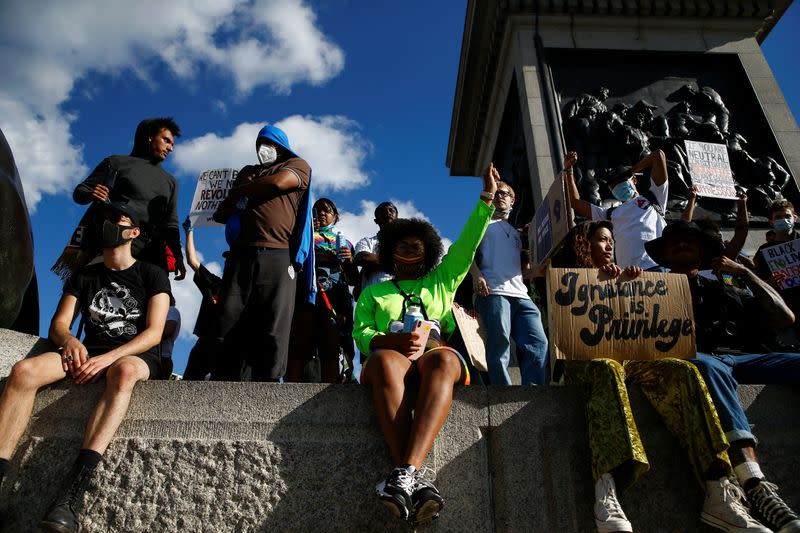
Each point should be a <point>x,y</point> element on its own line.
<point>488,196</point>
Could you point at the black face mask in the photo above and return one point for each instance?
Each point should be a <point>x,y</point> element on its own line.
<point>111,235</point>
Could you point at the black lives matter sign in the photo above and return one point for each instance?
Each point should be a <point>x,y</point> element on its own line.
<point>593,316</point>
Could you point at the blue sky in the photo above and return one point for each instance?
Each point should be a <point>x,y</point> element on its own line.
<point>364,89</point>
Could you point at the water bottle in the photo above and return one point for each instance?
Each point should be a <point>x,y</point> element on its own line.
<point>413,314</point>
<point>339,245</point>
<point>395,326</point>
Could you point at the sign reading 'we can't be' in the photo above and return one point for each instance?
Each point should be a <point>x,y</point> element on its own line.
<point>593,316</point>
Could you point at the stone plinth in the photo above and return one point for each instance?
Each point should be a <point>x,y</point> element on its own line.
<point>196,456</point>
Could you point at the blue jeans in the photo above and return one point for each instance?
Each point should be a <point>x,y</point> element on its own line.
<point>507,317</point>
<point>723,373</point>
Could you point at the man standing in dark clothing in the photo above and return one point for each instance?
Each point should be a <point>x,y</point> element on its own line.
<point>727,324</point>
<point>256,299</point>
<point>124,303</point>
<point>149,190</point>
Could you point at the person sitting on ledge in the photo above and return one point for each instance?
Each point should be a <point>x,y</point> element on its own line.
<point>411,249</point>
<point>727,325</point>
<point>124,304</point>
<point>672,386</point>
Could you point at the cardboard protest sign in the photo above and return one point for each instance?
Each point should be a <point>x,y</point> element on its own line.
<point>785,258</point>
<point>593,316</point>
<point>212,187</point>
<point>551,223</point>
<point>710,169</point>
<point>473,336</point>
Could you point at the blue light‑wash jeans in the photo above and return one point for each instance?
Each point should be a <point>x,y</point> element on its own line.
<point>507,317</point>
<point>722,374</point>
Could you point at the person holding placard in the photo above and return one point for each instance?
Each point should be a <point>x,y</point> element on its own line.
<point>782,219</point>
<point>411,249</point>
<point>640,216</point>
<point>726,319</point>
<point>672,386</point>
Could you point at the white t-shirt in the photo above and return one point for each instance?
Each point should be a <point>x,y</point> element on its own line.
<point>499,262</point>
<point>635,223</point>
<point>370,245</point>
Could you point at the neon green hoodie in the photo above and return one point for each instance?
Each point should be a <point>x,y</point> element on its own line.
<point>381,303</point>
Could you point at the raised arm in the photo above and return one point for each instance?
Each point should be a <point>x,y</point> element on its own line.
<point>656,161</point>
<point>191,251</point>
<point>688,211</point>
<point>736,243</point>
<point>582,207</point>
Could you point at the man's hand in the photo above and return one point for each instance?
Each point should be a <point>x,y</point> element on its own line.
<point>490,179</point>
<point>726,265</point>
<point>481,287</point>
<point>187,225</point>
<point>778,278</point>
<point>570,159</point>
<point>742,200</point>
<point>73,355</point>
<point>180,269</point>
<point>93,369</point>
<point>100,193</point>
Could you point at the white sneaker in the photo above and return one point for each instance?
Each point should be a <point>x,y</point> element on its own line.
<point>724,509</point>
<point>608,515</point>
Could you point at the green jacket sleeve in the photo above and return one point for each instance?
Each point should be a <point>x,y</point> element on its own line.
<point>456,263</point>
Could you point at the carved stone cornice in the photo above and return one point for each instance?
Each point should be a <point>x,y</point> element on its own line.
<point>484,33</point>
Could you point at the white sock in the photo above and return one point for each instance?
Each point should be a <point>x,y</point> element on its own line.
<point>747,471</point>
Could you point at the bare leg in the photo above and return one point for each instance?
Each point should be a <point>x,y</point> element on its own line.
<point>386,373</point>
<point>439,371</point>
<point>110,410</point>
<point>741,451</point>
<point>16,402</point>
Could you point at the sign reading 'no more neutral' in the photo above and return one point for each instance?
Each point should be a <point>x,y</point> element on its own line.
<point>593,316</point>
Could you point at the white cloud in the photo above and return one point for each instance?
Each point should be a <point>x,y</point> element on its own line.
<point>331,144</point>
<point>49,45</point>
<point>356,226</point>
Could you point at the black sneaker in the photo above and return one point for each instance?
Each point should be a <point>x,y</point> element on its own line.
<point>395,491</point>
<point>770,509</point>
<point>426,499</point>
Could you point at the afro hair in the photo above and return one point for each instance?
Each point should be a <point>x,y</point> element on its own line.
<point>401,228</point>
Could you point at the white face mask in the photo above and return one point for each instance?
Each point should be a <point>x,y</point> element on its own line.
<point>267,154</point>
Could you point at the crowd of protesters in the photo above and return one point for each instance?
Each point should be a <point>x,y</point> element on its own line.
<point>298,301</point>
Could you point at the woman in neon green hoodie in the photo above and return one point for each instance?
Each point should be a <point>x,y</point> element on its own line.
<point>411,249</point>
